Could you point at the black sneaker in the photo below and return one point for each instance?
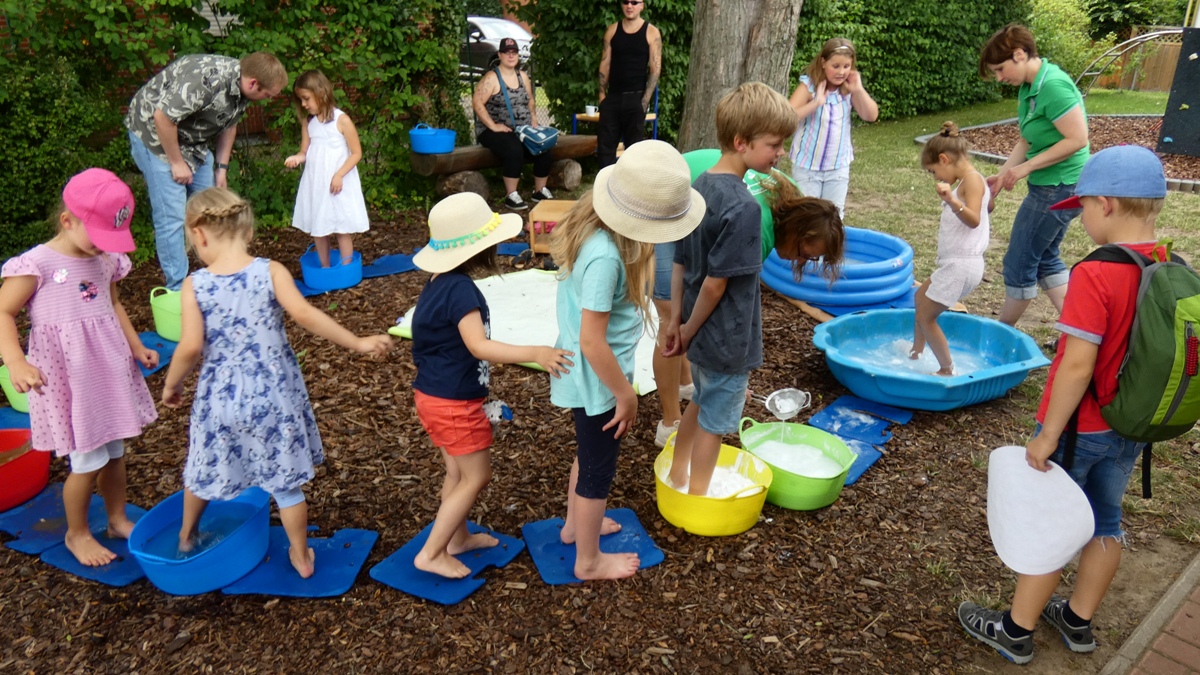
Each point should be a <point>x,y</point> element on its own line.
<point>514,202</point>
<point>987,626</point>
<point>539,195</point>
<point>1077,639</point>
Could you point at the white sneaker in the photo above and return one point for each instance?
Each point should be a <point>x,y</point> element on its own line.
<point>664,432</point>
<point>686,391</point>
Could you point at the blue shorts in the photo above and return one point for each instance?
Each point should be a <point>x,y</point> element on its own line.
<point>1032,258</point>
<point>664,262</point>
<point>1103,463</point>
<point>721,398</point>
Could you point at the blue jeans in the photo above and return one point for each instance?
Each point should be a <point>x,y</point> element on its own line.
<point>721,398</point>
<point>664,263</point>
<point>1033,259</point>
<point>831,185</point>
<point>1103,463</point>
<point>168,200</point>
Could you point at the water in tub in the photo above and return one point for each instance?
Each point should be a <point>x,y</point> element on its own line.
<point>165,544</point>
<point>893,353</point>
<point>798,458</point>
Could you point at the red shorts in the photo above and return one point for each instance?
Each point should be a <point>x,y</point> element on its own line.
<point>458,427</point>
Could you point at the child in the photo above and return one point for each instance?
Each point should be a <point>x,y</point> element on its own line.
<point>821,150</point>
<point>452,350</point>
<point>1121,190</point>
<point>605,258</point>
<point>251,421</point>
<point>962,239</point>
<point>88,392</point>
<point>716,306</point>
<point>329,200</point>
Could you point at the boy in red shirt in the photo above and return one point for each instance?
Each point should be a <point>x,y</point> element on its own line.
<point>1121,191</point>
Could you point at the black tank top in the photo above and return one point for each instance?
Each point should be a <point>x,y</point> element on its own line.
<point>630,58</point>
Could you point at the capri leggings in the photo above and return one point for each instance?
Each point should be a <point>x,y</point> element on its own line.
<point>512,153</point>
<point>597,453</point>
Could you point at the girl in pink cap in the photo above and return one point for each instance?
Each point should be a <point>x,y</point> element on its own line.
<point>88,394</point>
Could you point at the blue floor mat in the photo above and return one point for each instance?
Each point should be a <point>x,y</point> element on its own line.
<point>556,561</point>
<point>11,419</point>
<point>40,523</point>
<point>396,263</point>
<point>121,572</point>
<point>397,570</point>
<point>308,291</point>
<point>853,417</point>
<point>339,560</point>
<point>512,248</point>
<point>867,455</point>
<point>164,347</point>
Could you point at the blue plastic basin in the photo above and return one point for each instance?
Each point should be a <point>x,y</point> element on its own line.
<point>1010,354</point>
<point>246,533</point>
<point>332,278</point>
<point>882,271</point>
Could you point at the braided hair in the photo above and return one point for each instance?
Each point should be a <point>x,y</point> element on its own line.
<point>222,212</point>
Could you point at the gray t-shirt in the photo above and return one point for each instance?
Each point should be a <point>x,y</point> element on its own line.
<point>200,93</point>
<point>727,244</point>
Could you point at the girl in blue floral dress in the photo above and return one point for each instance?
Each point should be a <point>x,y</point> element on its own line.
<point>251,422</point>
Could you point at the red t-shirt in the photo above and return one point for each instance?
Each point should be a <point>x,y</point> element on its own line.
<point>1099,307</point>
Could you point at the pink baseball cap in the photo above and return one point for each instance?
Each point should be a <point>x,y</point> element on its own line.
<point>105,205</point>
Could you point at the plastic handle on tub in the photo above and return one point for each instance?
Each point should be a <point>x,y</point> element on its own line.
<point>742,425</point>
<point>153,293</point>
<point>422,125</point>
<point>746,492</point>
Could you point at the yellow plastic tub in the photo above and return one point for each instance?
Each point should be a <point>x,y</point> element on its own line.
<point>707,516</point>
<point>18,401</point>
<point>167,307</point>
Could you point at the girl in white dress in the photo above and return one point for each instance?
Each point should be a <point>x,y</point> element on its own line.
<point>330,199</point>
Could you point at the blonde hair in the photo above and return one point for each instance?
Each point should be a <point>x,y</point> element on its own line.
<point>833,46</point>
<point>1139,207</point>
<point>580,223</point>
<point>265,68</point>
<point>800,220</point>
<point>322,90</point>
<point>947,141</point>
<point>221,212</point>
<point>752,110</point>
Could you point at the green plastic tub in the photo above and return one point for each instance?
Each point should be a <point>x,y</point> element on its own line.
<point>18,401</point>
<point>167,307</point>
<point>790,490</point>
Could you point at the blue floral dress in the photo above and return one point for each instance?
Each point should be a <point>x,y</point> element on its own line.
<point>252,424</point>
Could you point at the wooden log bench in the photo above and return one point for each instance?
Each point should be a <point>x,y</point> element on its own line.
<point>458,170</point>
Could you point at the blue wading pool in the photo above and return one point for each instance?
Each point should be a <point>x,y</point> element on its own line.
<point>994,358</point>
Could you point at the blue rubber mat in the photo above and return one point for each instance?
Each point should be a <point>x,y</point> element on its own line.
<point>867,455</point>
<point>11,419</point>
<point>308,291</point>
<point>164,347</point>
<point>512,248</point>
<point>121,572</point>
<point>397,570</point>
<point>339,560</point>
<point>40,523</point>
<point>396,263</point>
<point>556,561</point>
<point>853,417</point>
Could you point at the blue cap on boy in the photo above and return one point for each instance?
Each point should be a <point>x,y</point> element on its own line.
<point>1129,171</point>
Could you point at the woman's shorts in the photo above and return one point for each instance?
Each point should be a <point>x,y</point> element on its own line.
<point>458,427</point>
<point>954,279</point>
<point>664,263</point>
<point>1033,258</point>
<point>94,460</point>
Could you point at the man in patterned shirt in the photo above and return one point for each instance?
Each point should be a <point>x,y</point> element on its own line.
<point>173,118</point>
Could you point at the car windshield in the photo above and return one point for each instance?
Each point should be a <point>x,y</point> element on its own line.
<point>499,28</point>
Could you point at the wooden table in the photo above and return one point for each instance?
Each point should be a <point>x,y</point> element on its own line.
<point>546,211</point>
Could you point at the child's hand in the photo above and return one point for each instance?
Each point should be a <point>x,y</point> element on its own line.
<point>26,377</point>
<point>555,361</point>
<point>819,97</point>
<point>671,341</point>
<point>625,414</point>
<point>374,344</point>
<point>944,191</point>
<point>293,161</point>
<point>854,81</point>
<point>335,185</point>
<point>1039,450</point>
<point>146,356</point>
<point>172,397</point>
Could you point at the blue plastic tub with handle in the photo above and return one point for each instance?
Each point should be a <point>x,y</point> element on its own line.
<point>427,140</point>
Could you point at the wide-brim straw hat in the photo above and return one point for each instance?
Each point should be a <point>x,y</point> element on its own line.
<point>647,195</point>
<point>461,226</point>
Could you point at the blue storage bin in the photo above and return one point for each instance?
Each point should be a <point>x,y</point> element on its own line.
<point>427,140</point>
<point>244,523</point>
<point>333,278</point>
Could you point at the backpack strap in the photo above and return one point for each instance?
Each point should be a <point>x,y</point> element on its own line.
<point>1146,471</point>
<point>1072,431</point>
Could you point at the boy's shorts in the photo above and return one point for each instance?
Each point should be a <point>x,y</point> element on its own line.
<point>94,460</point>
<point>458,427</point>
<point>1103,463</point>
<point>954,279</point>
<point>664,262</point>
<point>722,399</point>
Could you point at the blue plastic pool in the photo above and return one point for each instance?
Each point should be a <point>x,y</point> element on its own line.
<point>878,272</point>
<point>1003,354</point>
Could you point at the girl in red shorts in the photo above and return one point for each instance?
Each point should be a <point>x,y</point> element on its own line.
<point>452,351</point>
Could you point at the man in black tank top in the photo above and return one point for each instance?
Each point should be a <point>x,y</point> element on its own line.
<point>629,70</point>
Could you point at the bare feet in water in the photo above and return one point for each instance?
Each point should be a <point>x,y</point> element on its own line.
<point>87,550</point>
<point>443,564</point>
<point>305,562</point>
<point>120,529</point>
<point>472,542</point>
<point>609,566</point>
<point>946,372</point>
<point>607,526</point>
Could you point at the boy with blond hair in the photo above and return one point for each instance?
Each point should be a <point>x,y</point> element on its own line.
<point>716,306</point>
<point>1121,190</point>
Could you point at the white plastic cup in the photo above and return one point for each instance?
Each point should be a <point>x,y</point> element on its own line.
<point>591,109</point>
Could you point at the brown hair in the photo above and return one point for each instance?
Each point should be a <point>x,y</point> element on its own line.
<point>322,90</point>
<point>482,264</point>
<point>832,46</point>
<point>1000,47</point>
<point>800,220</point>
<point>220,211</point>
<point>752,110</point>
<point>265,68</point>
<point>948,141</point>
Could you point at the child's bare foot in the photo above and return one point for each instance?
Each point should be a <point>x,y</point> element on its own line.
<point>120,529</point>
<point>443,564</point>
<point>946,372</point>
<point>914,355</point>
<point>471,542</point>
<point>607,526</point>
<point>87,550</point>
<point>609,566</point>
<point>305,562</point>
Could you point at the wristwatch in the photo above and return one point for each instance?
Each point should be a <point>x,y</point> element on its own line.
<point>222,166</point>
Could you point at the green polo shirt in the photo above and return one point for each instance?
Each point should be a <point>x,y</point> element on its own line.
<point>1040,104</point>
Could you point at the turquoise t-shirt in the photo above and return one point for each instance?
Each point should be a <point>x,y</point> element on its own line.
<point>1039,105</point>
<point>596,283</point>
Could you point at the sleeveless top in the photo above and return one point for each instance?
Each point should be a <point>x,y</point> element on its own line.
<point>822,142</point>
<point>495,107</point>
<point>956,240</point>
<point>630,58</point>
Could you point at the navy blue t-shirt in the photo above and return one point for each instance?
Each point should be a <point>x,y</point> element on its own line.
<point>445,367</point>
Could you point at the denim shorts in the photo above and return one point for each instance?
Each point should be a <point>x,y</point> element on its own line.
<point>664,262</point>
<point>1032,258</point>
<point>1102,466</point>
<point>721,399</point>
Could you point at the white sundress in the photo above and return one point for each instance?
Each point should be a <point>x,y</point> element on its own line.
<point>318,212</point>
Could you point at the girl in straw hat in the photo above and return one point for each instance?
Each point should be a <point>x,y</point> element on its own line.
<point>452,350</point>
<point>604,249</point>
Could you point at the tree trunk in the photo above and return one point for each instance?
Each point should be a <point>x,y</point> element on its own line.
<point>735,41</point>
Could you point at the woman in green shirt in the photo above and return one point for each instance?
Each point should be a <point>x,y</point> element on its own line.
<point>1050,154</point>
